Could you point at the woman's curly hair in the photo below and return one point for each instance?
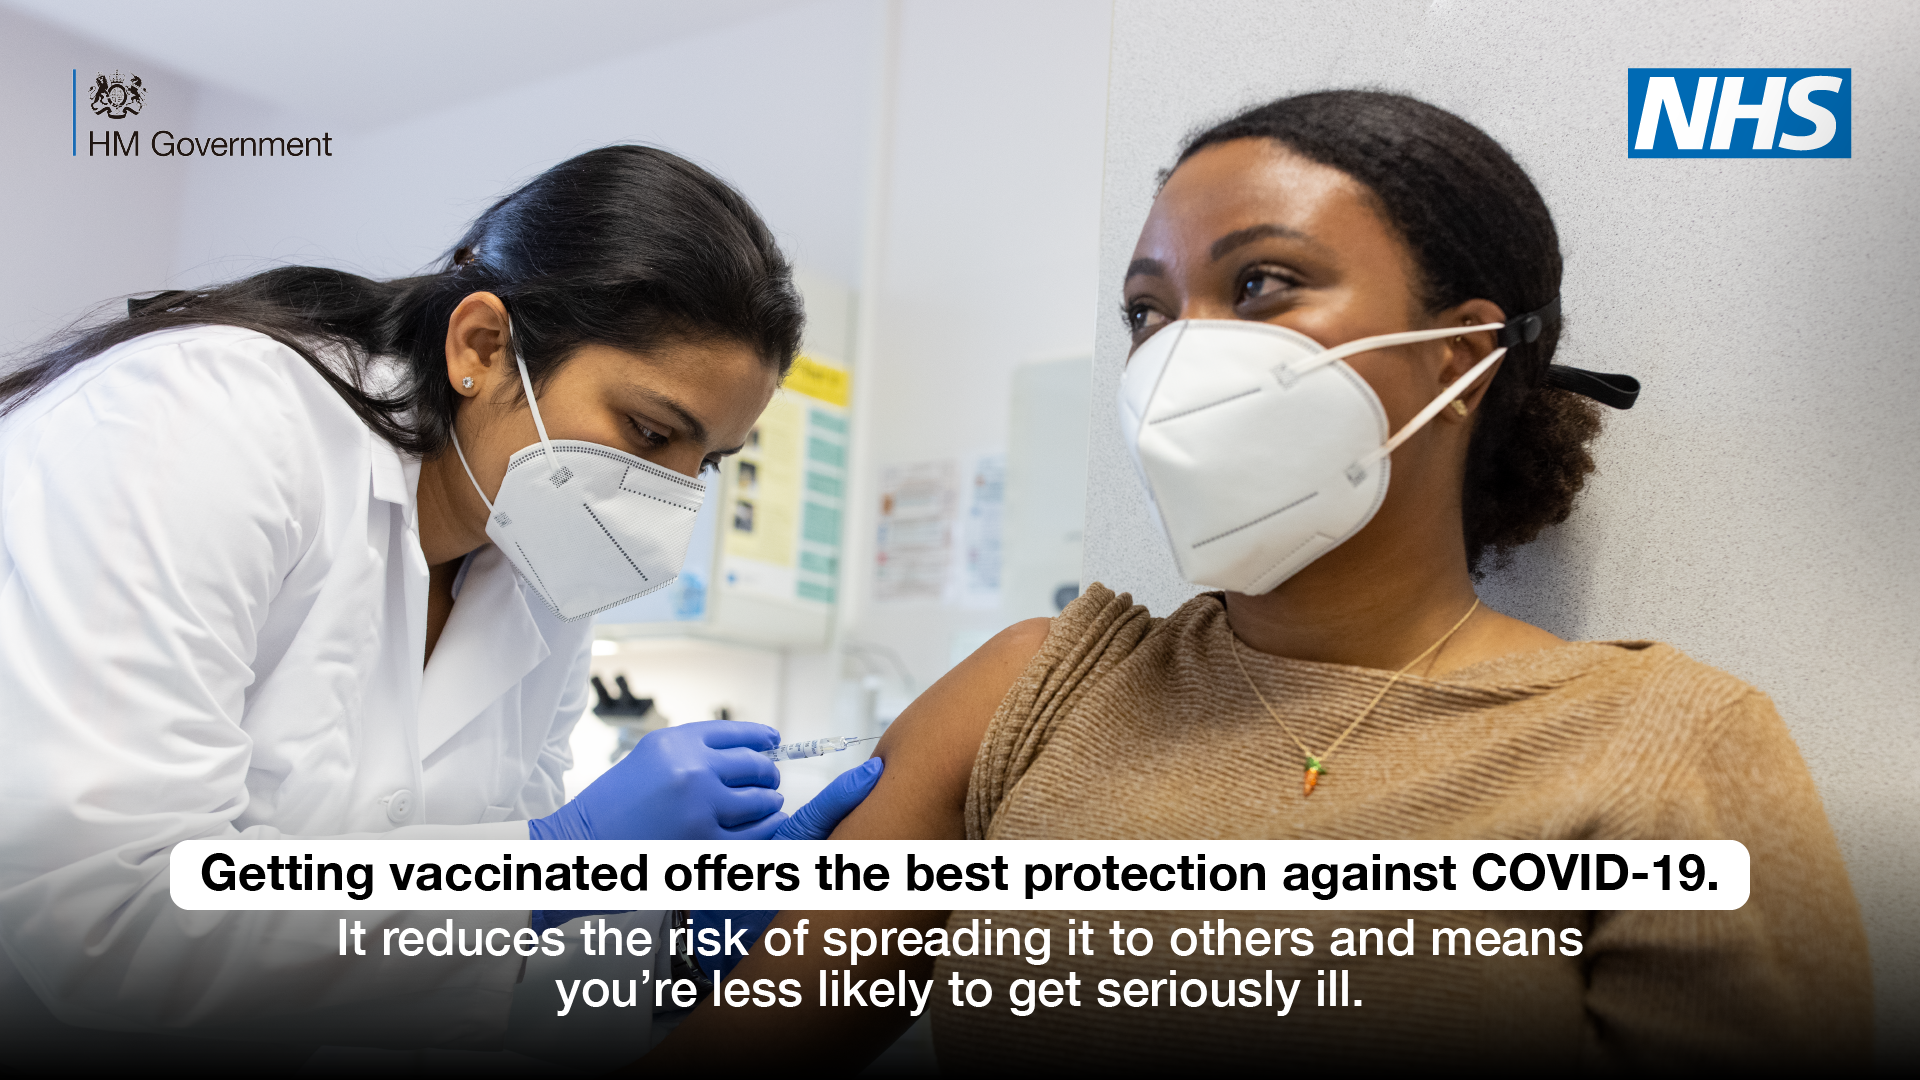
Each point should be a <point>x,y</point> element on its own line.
<point>1477,229</point>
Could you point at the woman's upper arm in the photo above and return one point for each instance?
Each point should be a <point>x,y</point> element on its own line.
<point>1784,978</point>
<point>929,751</point>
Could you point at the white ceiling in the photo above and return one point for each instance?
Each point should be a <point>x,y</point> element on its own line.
<point>367,62</point>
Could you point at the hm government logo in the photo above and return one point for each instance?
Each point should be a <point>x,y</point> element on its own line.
<point>117,98</point>
<point>1739,112</point>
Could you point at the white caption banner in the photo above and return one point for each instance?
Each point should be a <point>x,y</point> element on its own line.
<point>1023,875</point>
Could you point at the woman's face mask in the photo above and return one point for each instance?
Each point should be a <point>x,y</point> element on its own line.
<point>1260,450</point>
<point>588,526</point>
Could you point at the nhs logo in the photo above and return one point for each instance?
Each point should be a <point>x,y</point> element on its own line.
<point>1739,112</point>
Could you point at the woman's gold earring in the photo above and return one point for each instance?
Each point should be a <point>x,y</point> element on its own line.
<point>1460,407</point>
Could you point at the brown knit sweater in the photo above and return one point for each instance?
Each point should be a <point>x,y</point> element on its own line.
<point>1125,726</point>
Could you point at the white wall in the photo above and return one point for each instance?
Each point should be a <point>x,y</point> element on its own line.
<point>985,258</point>
<point>776,100</point>
<point>76,229</point>
<point>360,64</point>
<point>778,106</point>
<point>1760,508</point>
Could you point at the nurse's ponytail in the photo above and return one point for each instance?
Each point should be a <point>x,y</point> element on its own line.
<point>627,246</point>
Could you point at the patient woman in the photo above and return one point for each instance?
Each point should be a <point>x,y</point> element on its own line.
<point>1357,689</point>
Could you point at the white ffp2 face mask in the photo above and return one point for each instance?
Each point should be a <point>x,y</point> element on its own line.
<point>588,526</point>
<point>1261,450</point>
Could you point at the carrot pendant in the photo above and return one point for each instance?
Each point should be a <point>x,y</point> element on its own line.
<point>1314,769</point>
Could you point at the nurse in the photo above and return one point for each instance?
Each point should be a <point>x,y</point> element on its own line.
<point>315,555</point>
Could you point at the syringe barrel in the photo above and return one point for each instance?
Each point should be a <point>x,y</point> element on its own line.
<point>789,751</point>
<point>812,748</point>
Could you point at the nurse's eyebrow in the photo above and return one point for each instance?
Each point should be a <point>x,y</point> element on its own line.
<point>696,430</point>
<point>1148,267</point>
<point>1241,237</point>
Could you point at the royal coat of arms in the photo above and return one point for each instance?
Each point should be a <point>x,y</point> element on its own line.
<point>118,98</point>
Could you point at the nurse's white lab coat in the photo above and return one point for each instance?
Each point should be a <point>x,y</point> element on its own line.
<point>213,612</point>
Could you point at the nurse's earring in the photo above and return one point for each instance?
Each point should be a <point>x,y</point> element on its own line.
<point>467,383</point>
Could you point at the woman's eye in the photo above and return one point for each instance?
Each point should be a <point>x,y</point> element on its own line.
<point>1260,284</point>
<point>648,435</point>
<point>1141,318</point>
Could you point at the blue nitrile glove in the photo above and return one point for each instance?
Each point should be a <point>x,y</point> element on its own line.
<point>814,821</point>
<point>822,814</point>
<point>703,781</point>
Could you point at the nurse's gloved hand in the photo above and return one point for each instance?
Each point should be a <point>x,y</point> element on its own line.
<point>703,781</point>
<point>739,930</point>
<point>822,814</point>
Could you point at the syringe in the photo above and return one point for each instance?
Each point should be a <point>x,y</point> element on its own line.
<point>815,747</point>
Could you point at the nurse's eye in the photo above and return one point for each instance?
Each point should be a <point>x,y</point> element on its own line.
<point>1262,283</point>
<point>1141,318</point>
<point>647,434</point>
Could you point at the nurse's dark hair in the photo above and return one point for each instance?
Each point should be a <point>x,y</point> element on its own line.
<point>627,246</point>
<point>1477,229</point>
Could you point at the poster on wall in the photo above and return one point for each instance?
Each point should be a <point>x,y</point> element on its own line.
<point>942,530</point>
<point>918,505</point>
<point>781,525</point>
<point>978,558</point>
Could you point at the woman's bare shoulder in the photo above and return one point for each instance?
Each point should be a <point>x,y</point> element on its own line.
<point>929,750</point>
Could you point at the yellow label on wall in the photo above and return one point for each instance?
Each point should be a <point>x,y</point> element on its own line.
<point>780,532</point>
<point>819,379</point>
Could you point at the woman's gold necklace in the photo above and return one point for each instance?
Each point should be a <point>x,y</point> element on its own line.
<point>1316,766</point>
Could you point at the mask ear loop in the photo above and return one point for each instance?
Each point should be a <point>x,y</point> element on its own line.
<point>539,425</point>
<point>1288,373</point>
<point>1359,469</point>
<point>469,468</point>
